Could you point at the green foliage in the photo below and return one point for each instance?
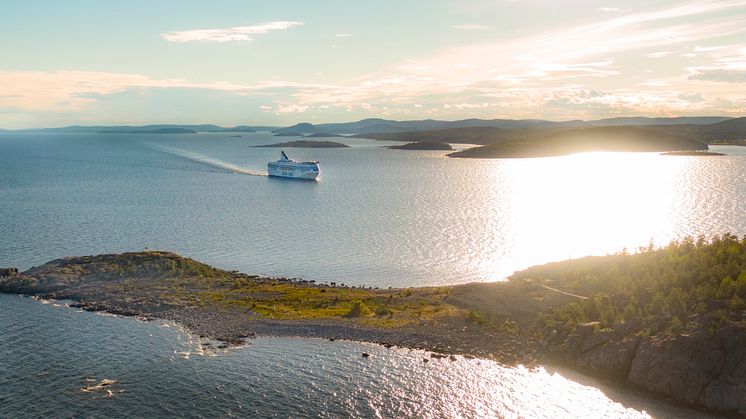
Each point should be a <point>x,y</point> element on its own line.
<point>660,287</point>
<point>475,317</point>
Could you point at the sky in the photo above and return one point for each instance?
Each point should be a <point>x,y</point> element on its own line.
<point>283,62</point>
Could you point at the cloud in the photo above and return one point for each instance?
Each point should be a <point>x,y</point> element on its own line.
<point>585,70</point>
<point>73,90</point>
<point>658,54</point>
<point>609,9</point>
<point>343,35</point>
<point>291,109</point>
<point>472,27</point>
<point>724,75</point>
<point>235,34</point>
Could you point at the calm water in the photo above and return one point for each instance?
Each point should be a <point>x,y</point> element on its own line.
<point>378,217</point>
<point>49,352</point>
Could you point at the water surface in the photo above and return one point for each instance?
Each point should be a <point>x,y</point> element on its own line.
<point>377,217</point>
<point>50,352</point>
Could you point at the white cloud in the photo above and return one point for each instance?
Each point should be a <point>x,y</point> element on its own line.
<point>234,34</point>
<point>658,54</point>
<point>726,70</point>
<point>609,9</point>
<point>343,35</point>
<point>472,27</point>
<point>281,109</point>
<point>585,70</point>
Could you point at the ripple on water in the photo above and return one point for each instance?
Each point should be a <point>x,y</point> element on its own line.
<point>51,352</point>
<point>378,217</point>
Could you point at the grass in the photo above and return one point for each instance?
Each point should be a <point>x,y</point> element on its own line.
<point>291,301</point>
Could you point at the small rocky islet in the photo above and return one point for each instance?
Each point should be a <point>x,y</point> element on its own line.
<point>306,144</point>
<point>669,321</point>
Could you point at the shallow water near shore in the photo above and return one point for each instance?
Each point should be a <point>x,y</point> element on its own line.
<point>50,352</point>
<point>377,217</point>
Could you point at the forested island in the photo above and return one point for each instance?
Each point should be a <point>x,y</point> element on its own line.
<point>511,139</point>
<point>670,321</point>
<point>585,140</point>
<point>306,144</point>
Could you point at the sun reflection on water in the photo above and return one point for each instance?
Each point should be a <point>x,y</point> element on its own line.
<point>574,206</point>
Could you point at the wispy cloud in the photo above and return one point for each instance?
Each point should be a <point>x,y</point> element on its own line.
<point>609,9</point>
<point>658,54</point>
<point>343,35</point>
<point>472,27</point>
<point>73,90</point>
<point>234,34</point>
<point>585,70</point>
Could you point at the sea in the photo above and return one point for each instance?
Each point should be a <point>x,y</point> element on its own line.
<point>376,217</point>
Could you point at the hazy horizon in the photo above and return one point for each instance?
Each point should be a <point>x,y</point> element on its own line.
<point>86,63</point>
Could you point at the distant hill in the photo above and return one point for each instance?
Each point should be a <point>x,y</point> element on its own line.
<point>382,126</point>
<point>171,130</point>
<point>617,138</point>
<point>377,125</point>
<point>682,120</point>
<point>731,129</point>
<point>476,135</point>
<point>150,129</point>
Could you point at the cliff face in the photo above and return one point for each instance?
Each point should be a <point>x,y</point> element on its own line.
<point>701,366</point>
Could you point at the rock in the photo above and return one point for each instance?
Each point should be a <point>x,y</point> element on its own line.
<point>609,359</point>
<point>8,272</point>
<point>573,344</point>
<point>594,340</point>
<point>366,355</point>
<point>683,367</point>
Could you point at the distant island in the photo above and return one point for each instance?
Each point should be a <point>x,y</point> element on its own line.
<point>691,153</point>
<point>670,321</point>
<point>150,129</point>
<point>323,135</point>
<point>288,134</point>
<point>626,138</point>
<point>153,131</point>
<point>422,145</point>
<point>306,144</point>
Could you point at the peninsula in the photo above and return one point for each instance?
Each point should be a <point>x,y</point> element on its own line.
<point>306,144</point>
<point>670,321</point>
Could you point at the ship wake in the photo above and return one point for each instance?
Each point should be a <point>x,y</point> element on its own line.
<point>207,160</point>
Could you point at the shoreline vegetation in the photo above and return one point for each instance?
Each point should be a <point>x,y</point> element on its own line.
<point>670,321</point>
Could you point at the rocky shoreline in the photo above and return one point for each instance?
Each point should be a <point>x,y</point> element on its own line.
<point>233,327</point>
<point>497,321</point>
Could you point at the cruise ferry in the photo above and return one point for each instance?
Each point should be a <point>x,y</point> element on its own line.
<point>286,167</point>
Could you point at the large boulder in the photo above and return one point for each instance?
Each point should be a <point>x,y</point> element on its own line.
<point>687,368</point>
<point>611,359</point>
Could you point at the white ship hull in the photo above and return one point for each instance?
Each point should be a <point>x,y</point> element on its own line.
<point>289,168</point>
<point>292,171</point>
